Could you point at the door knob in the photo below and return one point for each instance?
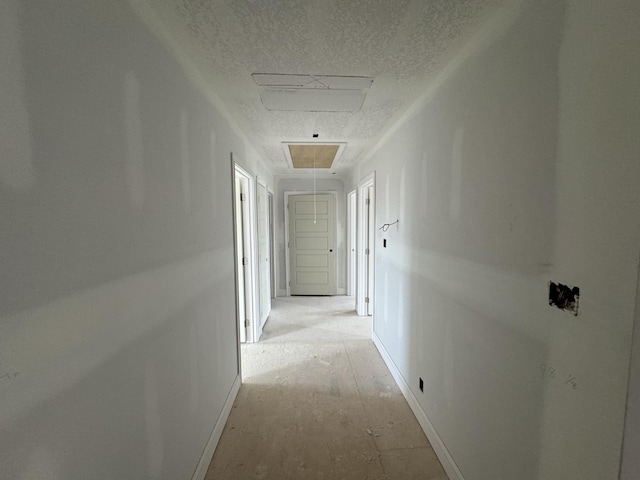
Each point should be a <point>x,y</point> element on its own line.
<point>331,249</point>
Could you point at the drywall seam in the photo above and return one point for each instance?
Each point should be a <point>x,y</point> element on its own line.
<point>447,461</point>
<point>210,448</point>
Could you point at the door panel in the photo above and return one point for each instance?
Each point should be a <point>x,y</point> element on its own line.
<point>312,261</point>
<point>312,244</point>
<point>263,252</point>
<point>242,299</point>
<point>370,248</point>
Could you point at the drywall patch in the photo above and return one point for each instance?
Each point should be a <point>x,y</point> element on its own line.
<point>564,297</point>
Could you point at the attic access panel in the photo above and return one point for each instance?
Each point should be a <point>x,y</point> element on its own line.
<point>311,100</point>
<point>329,82</point>
<point>304,155</point>
<point>312,93</point>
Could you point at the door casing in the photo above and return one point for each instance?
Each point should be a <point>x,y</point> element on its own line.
<point>366,239</point>
<point>245,227</point>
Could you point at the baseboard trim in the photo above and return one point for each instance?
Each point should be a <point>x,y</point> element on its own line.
<point>438,445</point>
<point>207,454</point>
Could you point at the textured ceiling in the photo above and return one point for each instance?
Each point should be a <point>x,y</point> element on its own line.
<point>402,44</point>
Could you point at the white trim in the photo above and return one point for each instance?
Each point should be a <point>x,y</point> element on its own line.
<point>352,228</point>
<point>341,291</point>
<point>282,293</point>
<point>252,310</point>
<point>361,258</point>
<point>447,461</point>
<point>273,274</point>
<point>210,448</point>
<point>287,194</point>
<point>262,319</point>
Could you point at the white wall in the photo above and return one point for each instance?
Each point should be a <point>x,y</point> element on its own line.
<point>117,332</point>
<point>522,167</point>
<point>302,184</point>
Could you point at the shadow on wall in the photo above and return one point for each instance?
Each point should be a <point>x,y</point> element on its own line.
<point>124,405</point>
<point>489,137</point>
<point>477,229</point>
<point>119,176</point>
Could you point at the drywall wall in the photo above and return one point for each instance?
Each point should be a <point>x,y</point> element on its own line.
<point>118,344</point>
<point>520,169</point>
<point>305,184</point>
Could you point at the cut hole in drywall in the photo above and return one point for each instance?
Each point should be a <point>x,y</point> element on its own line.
<point>564,297</point>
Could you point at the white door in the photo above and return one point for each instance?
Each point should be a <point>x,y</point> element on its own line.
<point>351,242</point>
<point>312,244</point>
<point>264,270</point>
<point>241,258</point>
<point>365,249</point>
<point>370,239</point>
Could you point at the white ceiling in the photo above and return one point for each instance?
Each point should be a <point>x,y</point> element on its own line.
<point>401,44</point>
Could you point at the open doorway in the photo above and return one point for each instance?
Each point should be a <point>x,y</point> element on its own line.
<point>243,206</point>
<point>272,243</point>
<point>264,255</point>
<point>351,241</point>
<point>366,244</point>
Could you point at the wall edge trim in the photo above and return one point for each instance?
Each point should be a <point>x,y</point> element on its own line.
<point>212,443</point>
<point>447,461</point>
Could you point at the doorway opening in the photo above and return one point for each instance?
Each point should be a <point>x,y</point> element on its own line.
<point>243,208</point>
<point>351,242</point>
<point>264,255</point>
<point>366,244</point>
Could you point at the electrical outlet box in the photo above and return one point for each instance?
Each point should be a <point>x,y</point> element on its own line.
<point>384,242</point>
<point>421,385</point>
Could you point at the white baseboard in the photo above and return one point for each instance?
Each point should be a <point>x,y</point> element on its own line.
<point>207,455</point>
<point>438,445</point>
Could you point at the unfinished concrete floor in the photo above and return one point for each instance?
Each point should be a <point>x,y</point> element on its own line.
<point>318,402</point>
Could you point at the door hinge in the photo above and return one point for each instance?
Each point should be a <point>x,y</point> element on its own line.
<point>246,323</point>
<point>244,261</point>
<point>243,197</point>
<point>367,201</point>
<point>366,299</point>
<point>366,251</point>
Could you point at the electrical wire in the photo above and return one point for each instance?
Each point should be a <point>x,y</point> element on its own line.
<point>386,226</point>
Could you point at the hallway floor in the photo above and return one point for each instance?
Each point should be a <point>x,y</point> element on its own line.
<point>318,402</point>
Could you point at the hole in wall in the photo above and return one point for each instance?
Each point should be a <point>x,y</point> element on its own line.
<point>564,297</point>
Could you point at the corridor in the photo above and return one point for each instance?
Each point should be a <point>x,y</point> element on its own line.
<point>318,402</point>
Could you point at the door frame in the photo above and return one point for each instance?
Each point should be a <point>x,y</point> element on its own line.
<point>248,273</point>
<point>352,228</point>
<point>272,241</point>
<point>366,236</point>
<point>261,321</point>
<point>287,194</point>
